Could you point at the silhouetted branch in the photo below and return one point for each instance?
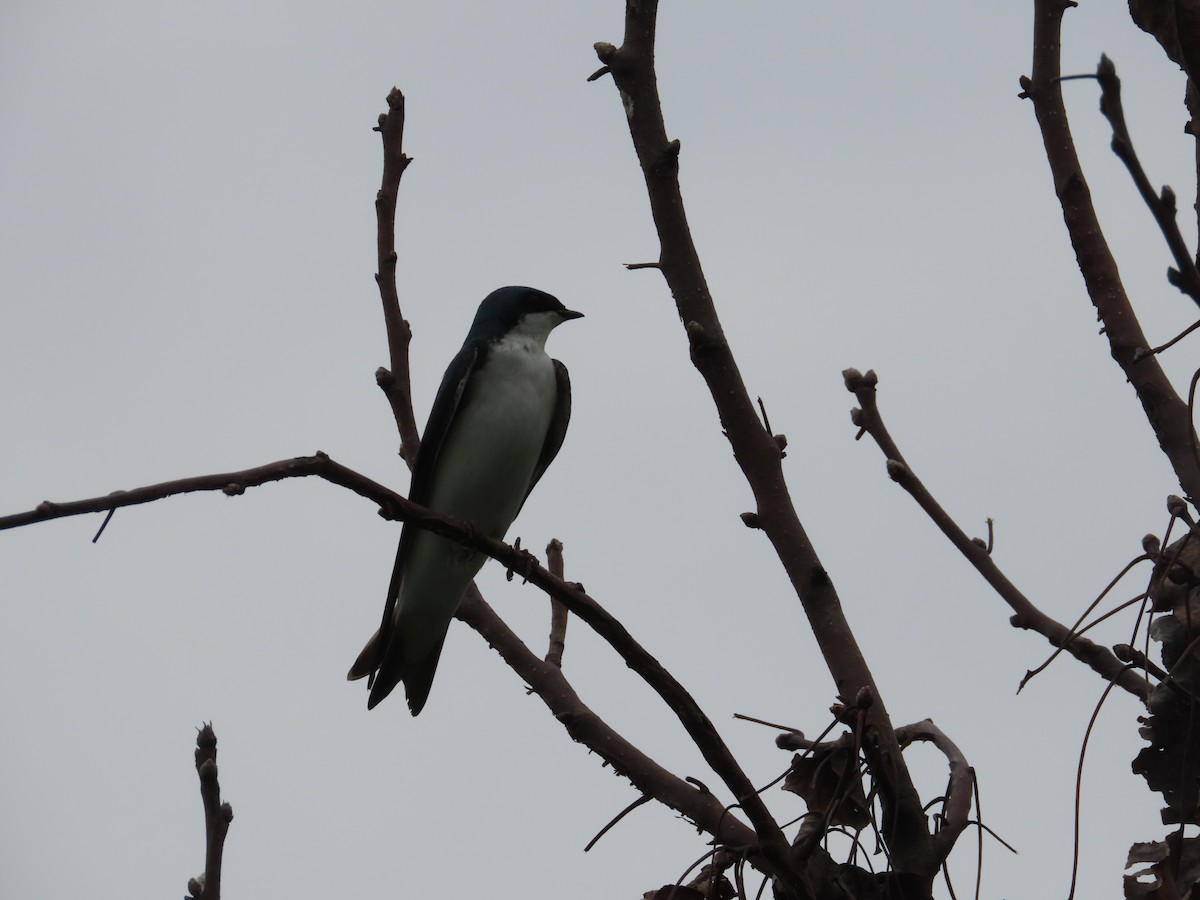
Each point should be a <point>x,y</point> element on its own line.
<point>755,449</point>
<point>956,808</point>
<point>1162,205</point>
<point>1100,659</point>
<point>217,816</point>
<point>395,382</point>
<point>1165,410</point>
<point>394,506</point>
<point>548,682</point>
<point>1176,27</point>
<point>229,483</point>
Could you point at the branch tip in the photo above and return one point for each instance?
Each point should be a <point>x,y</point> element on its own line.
<point>856,381</point>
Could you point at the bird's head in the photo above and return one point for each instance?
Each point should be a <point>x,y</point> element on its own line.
<point>520,311</point>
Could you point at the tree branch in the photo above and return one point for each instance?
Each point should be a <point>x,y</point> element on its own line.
<point>756,451</point>
<point>396,383</point>
<point>229,483</point>
<point>217,816</point>
<point>1100,659</point>
<point>1162,205</point>
<point>1176,27</point>
<point>956,809</point>
<point>584,726</point>
<point>1166,412</point>
<point>558,612</point>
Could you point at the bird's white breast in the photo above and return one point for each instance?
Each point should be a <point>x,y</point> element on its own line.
<point>487,461</point>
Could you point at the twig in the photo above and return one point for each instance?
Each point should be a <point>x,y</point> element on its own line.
<point>1076,630</point>
<point>395,382</point>
<point>640,801</point>
<point>558,612</point>
<point>979,833</point>
<point>1028,616</point>
<point>1165,410</point>
<point>1154,351</point>
<point>995,837</point>
<point>103,525</point>
<point>1079,786</point>
<point>217,816</point>
<point>1162,205</point>
<point>777,727</point>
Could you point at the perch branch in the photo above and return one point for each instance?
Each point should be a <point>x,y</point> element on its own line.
<point>1165,410</point>
<point>755,450</point>
<point>394,506</point>
<point>1100,659</point>
<point>229,483</point>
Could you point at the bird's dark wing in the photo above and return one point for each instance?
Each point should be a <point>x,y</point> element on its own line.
<point>445,405</point>
<point>558,426</point>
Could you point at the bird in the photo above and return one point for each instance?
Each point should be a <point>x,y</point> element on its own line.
<point>497,422</point>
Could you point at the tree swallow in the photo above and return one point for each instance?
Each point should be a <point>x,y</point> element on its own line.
<point>497,423</point>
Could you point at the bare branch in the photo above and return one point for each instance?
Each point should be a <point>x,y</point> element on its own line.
<point>1165,410</point>
<point>558,612</point>
<point>756,451</point>
<point>548,682</point>
<point>1162,205</point>
<point>956,810</point>
<point>1100,659</point>
<point>395,382</point>
<point>230,483</point>
<point>217,816</point>
<point>1176,27</point>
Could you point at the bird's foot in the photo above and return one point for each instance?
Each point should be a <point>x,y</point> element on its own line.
<point>528,563</point>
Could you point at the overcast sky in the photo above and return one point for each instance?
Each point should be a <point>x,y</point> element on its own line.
<point>186,260</point>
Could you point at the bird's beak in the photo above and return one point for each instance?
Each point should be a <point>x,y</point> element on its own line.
<point>570,314</point>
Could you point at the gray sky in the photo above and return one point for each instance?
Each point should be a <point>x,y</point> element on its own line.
<point>186,259</point>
